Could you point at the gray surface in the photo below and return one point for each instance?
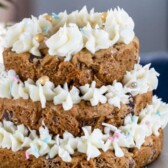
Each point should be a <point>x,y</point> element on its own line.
<point>162,161</point>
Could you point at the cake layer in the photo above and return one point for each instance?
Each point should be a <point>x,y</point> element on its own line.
<point>31,114</point>
<point>92,142</point>
<point>133,158</point>
<point>65,35</point>
<point>104,66</point>
<point>138,81</point>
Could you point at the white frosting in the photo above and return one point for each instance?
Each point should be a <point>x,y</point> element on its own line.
<point>80,18</point>
<point>45,25</point>
<point>115,94</point>
<point>154,116</point>
<point>132,134</point>
<point>83,17</point>
<point>95,18</point>
<point>66,42</point>
<point>21,36</point>
<point>134,131</point>
<point>64,147</point>
<point>144,78</point>
<point>93,94</point>
<point>120,26</point>
<point>60,20</point>
<point>95,39</point>
<point>65,97</point>
<point>40,93</point>
<point>115,140</point>
<point>91,142</point>
<point>62,35</point>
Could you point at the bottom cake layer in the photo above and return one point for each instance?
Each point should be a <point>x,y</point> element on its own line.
<point>133,158</point>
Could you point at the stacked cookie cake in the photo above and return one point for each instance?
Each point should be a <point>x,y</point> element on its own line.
<point>73,95</point>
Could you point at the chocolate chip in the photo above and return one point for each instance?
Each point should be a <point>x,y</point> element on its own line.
<point>131,149</point>
<point>91,121</point>
<point>131,103</point>
<point>8,115</point>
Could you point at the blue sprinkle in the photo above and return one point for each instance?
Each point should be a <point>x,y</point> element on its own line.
<point>133,118</point>
<point>83,31</point>
<point>55,16</point>
<point>158,113</point>
<point>35,150</point>
<point>128,134</point>
<point>45,29</point>
<point>46,140</point>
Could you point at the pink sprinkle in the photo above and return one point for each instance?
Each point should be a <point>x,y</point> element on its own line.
<point>117,135</point>
<point>15,79</point>
<point>147,123</point>
<point>27,155</point>
<point>45,39</point>
<point>112,139</point>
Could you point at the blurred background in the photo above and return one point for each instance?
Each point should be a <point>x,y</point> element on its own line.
<point>150,17</point>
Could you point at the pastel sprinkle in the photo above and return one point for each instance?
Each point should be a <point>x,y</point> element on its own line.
<point>115,137</point>
<point>158,113</point>
<point>27,155</point>
<point>147,123</point>
<point>45,39</point>
<point>46,140</point>
<point>128,134</point>
<point>55,16</point>
<point>45,29</point>
<point>83,31</point>
<point>15,79</point>
<point>35,150</point>
<point>133,118</point>
<point>112,139</point>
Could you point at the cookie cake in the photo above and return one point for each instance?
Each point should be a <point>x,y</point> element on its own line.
<point>73,94</point>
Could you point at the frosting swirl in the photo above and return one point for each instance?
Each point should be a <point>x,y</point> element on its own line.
<point>120,26</point>
<point>95,39</point>
<point>20,36</point>
<point>116,94</point>
<point>66,98</point>
<point>141,79</point>
<point>93,94</point>
<point>66,42</point>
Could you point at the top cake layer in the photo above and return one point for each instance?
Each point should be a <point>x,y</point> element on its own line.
<point>75,48</point>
